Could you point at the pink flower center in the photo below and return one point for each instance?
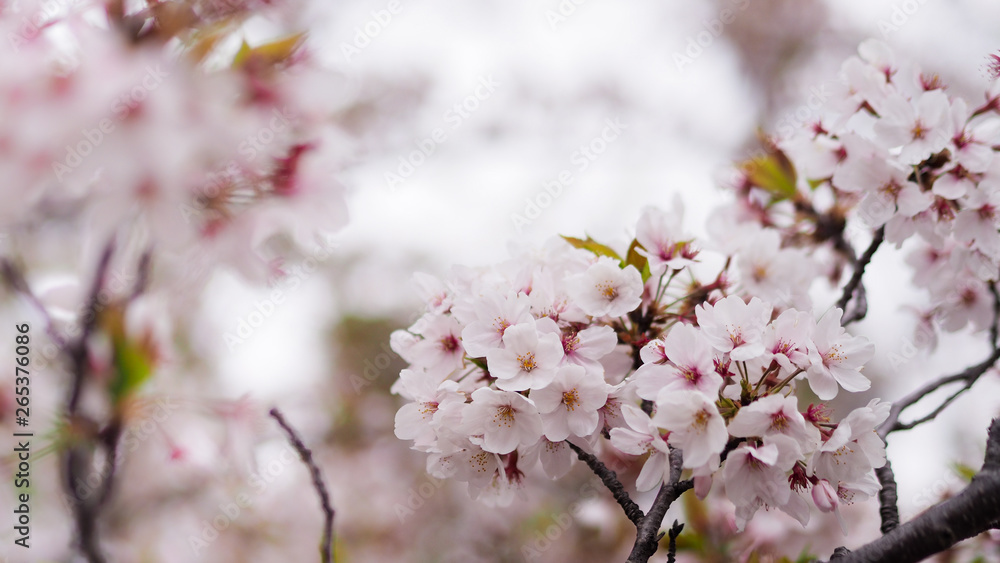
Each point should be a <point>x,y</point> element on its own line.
<point>449,343</point>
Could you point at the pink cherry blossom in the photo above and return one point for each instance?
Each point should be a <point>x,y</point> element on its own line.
<point>694,422</point>
<point>503,419</point>
<point>606,289</point>
<point>569,403</point>
<point>735,326</point>
<point>528,359</point>
<point>639,437</point>
<point>837,358</point>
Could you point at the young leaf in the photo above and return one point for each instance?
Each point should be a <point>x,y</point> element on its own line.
<point>632,257</point>
<point>593,246</point>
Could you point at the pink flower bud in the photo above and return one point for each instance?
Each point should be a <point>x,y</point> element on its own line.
<point>825,496</point>
<point>702,486</point>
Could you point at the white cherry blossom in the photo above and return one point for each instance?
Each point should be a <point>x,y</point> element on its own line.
<point>606,289</point>
<point>528,359</point>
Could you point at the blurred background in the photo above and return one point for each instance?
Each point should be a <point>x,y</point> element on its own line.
<point>467,127</point>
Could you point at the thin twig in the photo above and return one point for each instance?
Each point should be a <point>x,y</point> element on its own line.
<point>142,283</point>
<point>17,282</point>
<point>675,531</point>
<point>968,378</point>
<point>610,480</point>
<point>855,287</point>
<point>326,549</point>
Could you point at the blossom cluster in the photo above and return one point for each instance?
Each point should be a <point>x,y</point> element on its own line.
<point>893,150</point>
<point>572,346</point>
<point>132,122</point>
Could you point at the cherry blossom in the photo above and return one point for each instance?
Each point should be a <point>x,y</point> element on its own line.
<point>662,242</point>
<point>415,421</point>
<point>505,420</point>
<point>690,367</point>
<point>773,415</point>
<point>569,404</point>
<point>528,360</point>
<point>837,358</point>
<point>640,437</point>
<point>735,326</point>
<point>494,314</point>
<point>756,476</point>
<point>607,289</point>
<point>694,422</point>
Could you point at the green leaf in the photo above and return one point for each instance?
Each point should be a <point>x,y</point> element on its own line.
<point>479,363</point>
<point>273,52</point>
<point>964,471</point>
<point>242,54</point>
<point>133,362</point>
<point>594,246</point>
<point>632,257</point>
<point>772,172</point>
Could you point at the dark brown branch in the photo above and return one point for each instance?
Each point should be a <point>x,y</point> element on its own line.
<point>142,283</point>
<point>79,456</point>
<point>973,511</point>
<point>326,548</point>
<point>675,531</point>
<point>610,480</point>
<point>78,349</point>
<point>888,509</point>
<point>995,326</point>
<point>647,535</point>
<point>855,288</point>
<point>731,445</point>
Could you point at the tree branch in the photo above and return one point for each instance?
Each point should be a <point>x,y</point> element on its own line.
<point>970,513</point>
<point>968,378</point>
<point>610,480</point>
<point>326,548</point>
<point>888,509</point>
<point>647,535</point>
<point>79,456</point>
<point>855,288</point>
